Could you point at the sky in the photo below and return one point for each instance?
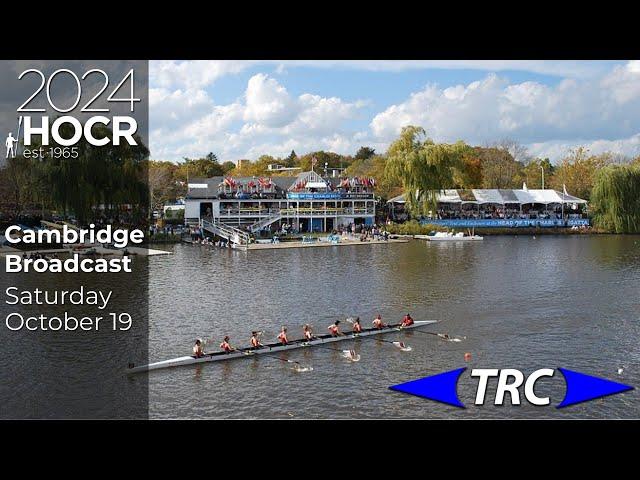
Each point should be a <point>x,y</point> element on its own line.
<point>244,109</point>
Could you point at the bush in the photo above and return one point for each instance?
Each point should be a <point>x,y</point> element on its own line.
<point>413,228</point>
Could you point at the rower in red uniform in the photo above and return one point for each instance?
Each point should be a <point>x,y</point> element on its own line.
<point>357,328</point>
<point>407,321</point>
<point>226,346</point>
<point>282,336</point>
<point>255,343</point>
<point>334,329</point>
<point>307,332</point>
<point>378,323</point>
<point>198,350</point>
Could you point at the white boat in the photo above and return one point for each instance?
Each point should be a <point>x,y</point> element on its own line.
<point>450,237</point>
<point>270,348</point>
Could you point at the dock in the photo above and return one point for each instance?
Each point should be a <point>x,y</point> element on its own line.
<point>316,244</point>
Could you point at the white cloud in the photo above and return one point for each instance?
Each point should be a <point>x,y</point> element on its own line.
<point>587,107</point>
<point>530,112</point>
<point>192,74</point>
<point>268,102</point>
<point>628,147</point>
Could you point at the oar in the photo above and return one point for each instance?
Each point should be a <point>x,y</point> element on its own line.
<point>453,339</point>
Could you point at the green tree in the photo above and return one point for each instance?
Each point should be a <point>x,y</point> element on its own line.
<point>364,153</point>
<point>532,173</point>
<point>615,200</point>
<point>499,168</point>
<point>423,167</point>
<point>212,157</point>
<point>228,166</point>
<point>291,160</point>
<point>578,172</point>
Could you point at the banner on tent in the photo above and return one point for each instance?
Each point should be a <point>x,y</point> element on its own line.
<point>505,223</point>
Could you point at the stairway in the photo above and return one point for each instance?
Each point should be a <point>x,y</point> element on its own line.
<point>260,224</point>
<point>235,236</point>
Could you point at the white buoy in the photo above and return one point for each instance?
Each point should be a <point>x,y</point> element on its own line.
<point>620,370</point>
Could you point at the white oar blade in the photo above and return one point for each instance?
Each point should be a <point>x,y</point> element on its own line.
<point>402,346</point>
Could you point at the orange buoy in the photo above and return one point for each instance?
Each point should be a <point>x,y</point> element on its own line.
<point>467,357</point>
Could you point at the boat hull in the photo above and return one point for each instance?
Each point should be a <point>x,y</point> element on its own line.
<point>271,348</point>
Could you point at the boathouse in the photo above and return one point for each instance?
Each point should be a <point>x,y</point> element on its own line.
<point>307,202</point>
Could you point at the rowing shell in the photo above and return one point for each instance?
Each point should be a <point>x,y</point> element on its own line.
<point>271,348</point>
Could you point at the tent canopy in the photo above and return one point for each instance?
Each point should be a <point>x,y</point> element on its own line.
<point>501,197</point>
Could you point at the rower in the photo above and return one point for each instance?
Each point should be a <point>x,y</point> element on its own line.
<point>308,332</point>
<point>378,323</point>
<point>357,328</point>
<point>334,329</point>
<point>407,321</point>
<point>282,336</point>
<point>444,336</point>
<point>226,346</point>
<point>255,343</point>
<point>198,350</point>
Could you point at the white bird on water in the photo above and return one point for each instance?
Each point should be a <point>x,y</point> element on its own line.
<point>620,370</point>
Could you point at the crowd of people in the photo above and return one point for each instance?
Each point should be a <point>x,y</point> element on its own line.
<point>503,214</point>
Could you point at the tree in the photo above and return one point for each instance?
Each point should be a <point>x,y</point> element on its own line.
<point>163,186</point>
<point>364,153</point>
<point>423,167</point>
<point>212,157</point>
<point>532,173</point>
<point>468,174</point>
<point>615,201</point>
<point>228,166</point>
<point>291,160</point>
<point>499,168</point>
<point>578,172</point>
<point>201,167</point>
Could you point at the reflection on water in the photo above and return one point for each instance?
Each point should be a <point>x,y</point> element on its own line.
<point>521,302</point>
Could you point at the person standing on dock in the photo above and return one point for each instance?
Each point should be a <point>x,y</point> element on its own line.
<point>378,323</point>
<point>334,329</point>
<point>282,336</point>
<point>308,332</point>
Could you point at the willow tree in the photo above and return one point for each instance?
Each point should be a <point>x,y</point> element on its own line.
<point>615,199</point>
<point>423,167</point>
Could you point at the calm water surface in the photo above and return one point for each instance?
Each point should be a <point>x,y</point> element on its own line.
<point>521,302</point>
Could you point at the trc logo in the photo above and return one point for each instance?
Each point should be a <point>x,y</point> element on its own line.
<point>580,387</point>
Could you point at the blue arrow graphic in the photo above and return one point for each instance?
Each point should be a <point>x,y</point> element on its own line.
<point>582,387</point>
<point>440,387</point>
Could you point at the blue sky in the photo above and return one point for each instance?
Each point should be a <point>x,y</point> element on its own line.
<point>242,109</point>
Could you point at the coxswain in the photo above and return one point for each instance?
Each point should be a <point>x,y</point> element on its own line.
<point>226,346</point>
<point>334,329</point>
<point>378,323</point>
<point>198,350</point>
<point>255,343</point>
<point>307,332</point>
<point>357,328</point>
<point>407,321</point>
<point>282,336</point>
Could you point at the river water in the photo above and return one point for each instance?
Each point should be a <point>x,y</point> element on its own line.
<point>521,302</point>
